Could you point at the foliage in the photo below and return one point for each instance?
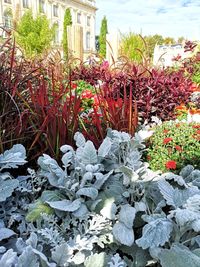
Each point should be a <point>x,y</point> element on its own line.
<point>147,84</point>
<point>14,73</point>
<point>34,35</point>
<point>174,145</point>
<point>103,206</point>
<point>67,22</point>
<point>137,47</point>
<point>133,47</point>
<point>53,117</point>
<point>109,111</point>
<point>102,37</point>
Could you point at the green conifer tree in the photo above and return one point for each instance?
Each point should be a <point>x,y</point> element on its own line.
<point>102,37</point>
<point>67,22</point>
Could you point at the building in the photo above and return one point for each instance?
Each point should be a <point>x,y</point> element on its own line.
<point>164,55</point>
<point>83,17</point>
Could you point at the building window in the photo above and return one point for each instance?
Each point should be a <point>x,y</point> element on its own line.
<point>55,10</point>
<point>88,21</point>
<point>56,34</point>
<point>7,22</point>
<point>7,1</point>
<point>42,6</point>
<point>88,40</point>
<point>25,4</point>
<point>79,18</point>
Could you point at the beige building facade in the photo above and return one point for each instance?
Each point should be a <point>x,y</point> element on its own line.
<point>83,18</point>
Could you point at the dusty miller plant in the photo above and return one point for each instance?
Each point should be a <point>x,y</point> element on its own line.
<point>100,208</point>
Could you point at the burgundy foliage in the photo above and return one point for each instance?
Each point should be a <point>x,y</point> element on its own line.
<point>157,92</point>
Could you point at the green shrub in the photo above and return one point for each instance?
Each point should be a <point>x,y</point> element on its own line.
<point>174,145</point>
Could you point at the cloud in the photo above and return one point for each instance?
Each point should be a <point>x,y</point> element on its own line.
<point>166,17</point>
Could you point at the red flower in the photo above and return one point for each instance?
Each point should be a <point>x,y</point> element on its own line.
<point>196,137</point>
<point>97,100</point>
<point>74,86</point>
<point>198,132</point>
<point>178,125</point>
<point>148,157</point>
<point>178,148</point>
<point>196,126</point>
<point>165,131</point>
<point>170,165</point>
<point>167,140</point>
<point>87,94</point>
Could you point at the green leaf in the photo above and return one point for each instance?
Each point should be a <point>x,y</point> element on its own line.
<point>36,209</point>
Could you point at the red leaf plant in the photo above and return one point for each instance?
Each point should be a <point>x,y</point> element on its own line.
<point>54,116</point>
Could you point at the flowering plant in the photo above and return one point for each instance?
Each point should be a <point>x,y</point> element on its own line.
<point>174,145</point>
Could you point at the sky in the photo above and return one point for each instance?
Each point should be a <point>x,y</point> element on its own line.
<point>173,18</point>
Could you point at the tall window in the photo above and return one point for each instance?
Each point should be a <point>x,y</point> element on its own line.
<point>79,18</point>
<point>88,21</point>
<point>7,19</point>
<point>7,1</point>
<point>25,4</point>
<point>55,10</point>
<point>88,40</point>
<point>56,34</point>
<point>42,6</point>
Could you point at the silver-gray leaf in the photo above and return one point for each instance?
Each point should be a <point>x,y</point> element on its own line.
<point>123,234</point>
<point>127,215</point>
<point>65,205</point>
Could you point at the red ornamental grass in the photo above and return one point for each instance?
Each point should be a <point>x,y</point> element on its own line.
<point>167,140</point>
<point>170,165</point>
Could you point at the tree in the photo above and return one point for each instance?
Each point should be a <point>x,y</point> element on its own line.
<point>151,42</point>
<point>180,40</point>
<point>102,37</point>
<point>169,41</point>
<point>67,22</point>
<point>34,35</point>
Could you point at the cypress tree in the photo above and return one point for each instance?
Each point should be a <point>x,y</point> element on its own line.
<point>67,22</point>
<point>102,37</point>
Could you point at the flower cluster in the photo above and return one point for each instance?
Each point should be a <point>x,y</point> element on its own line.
<point>173,145</point>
